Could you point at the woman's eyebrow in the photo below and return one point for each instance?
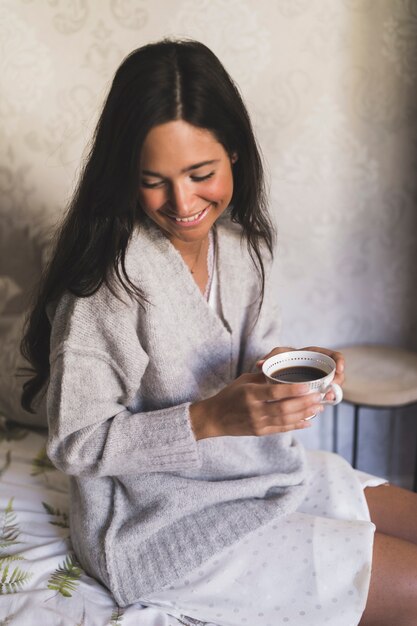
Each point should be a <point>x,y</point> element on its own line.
<point>189,168</point>
<point>201,164</point>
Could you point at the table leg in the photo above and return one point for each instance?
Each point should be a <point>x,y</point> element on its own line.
<point>355,437</point>
<point>415,472</point>
<point>335,427</point>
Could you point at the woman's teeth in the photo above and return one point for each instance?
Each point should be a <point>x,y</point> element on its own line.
<point>189,219</point>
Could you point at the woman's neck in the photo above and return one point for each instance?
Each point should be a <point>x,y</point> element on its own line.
<point>194,255</point>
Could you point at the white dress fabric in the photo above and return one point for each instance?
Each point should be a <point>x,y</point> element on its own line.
<point>309,568</point>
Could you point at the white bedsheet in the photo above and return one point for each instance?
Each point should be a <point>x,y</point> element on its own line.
<point>41,583</point>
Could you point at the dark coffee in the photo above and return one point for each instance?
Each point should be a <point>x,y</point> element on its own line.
<point>298,374</point>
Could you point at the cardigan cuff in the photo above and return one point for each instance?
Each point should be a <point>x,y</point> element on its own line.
<point>160,440</point>
<point>153,441</point>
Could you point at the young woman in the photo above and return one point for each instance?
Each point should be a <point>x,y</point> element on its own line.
<point>188,489</point>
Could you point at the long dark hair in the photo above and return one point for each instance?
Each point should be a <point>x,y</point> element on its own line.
<point>155,84</point>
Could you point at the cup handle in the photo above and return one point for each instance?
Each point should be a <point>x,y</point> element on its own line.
<point>337,390</point>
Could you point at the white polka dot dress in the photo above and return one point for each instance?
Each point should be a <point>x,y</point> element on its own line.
<point>309,568</point>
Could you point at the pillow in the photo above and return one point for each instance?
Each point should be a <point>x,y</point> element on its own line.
<point>11,384</point>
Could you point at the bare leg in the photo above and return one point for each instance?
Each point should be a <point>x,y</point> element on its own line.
<point>392,595</point>
<point>393,511</point>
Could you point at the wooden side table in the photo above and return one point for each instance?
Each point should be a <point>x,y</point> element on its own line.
<point>377,377</point>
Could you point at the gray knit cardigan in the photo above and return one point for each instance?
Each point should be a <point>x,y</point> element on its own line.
<point>148,501</point>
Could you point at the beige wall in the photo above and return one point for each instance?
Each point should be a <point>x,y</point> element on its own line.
<point>331,85</point>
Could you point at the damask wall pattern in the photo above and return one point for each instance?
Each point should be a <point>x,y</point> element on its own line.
<point>331,86</point>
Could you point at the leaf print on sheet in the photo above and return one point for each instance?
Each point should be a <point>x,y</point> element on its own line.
<point>12,580</point>
<point>6,465</point>
<point>9,529</point>
<point>41,464</point>
<point>63,522</point>
<point>12,577</point>
<point>66,577</point>
<point>117,616</point>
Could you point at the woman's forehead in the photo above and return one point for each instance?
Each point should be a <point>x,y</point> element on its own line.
<point>181,143</point>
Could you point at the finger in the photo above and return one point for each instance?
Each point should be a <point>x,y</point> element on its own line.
<point>340,362</point>
<point>258,379</point>
<point>330,396</point>
<point>273,430</point>
<point>292,410</point>
<point>256,389</point>
<point>303,415</point>
<point>274,393</point>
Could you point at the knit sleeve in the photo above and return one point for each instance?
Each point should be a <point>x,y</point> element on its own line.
<point>97,366</point>
<point>91,431</point>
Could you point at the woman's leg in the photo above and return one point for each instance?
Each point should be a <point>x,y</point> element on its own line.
<point>392,595</point>
<point>393,511</point>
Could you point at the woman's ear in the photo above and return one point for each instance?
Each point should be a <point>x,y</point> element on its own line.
<point>233,158</point>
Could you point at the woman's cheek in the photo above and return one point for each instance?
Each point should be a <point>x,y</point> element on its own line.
<point>220,189</point>
<point>151,199</point>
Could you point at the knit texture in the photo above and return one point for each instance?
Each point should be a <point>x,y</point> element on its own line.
<point>148,501</point>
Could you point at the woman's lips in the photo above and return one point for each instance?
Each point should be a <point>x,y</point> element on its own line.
<point>193,220</point>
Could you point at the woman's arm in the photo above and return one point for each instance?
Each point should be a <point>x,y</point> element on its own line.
<point>92,432</point>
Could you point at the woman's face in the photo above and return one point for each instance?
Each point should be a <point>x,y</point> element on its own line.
<point>186,180</point>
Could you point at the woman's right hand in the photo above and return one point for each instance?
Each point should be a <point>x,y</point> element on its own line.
<point>251,406</point>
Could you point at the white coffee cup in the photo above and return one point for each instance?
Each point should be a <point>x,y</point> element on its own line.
<point>297,367</point>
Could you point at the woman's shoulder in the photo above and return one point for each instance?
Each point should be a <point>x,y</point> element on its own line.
<point>95,327</point>
<point>83,318</point>
<point>231,240</point>
<point>234,244</point>
<point>229,227</point>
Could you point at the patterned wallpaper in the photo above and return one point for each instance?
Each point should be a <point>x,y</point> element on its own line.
<point>331,86</point>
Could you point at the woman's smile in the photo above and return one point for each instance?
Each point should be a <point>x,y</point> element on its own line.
<point>191,220</point>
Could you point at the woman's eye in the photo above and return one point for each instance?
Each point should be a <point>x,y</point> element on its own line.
<point>199,179</point>
<point>149,185</point>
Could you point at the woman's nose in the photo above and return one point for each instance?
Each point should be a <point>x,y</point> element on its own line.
<point>182,199</point>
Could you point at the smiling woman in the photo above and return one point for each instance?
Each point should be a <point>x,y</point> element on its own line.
<point>189,491</point>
